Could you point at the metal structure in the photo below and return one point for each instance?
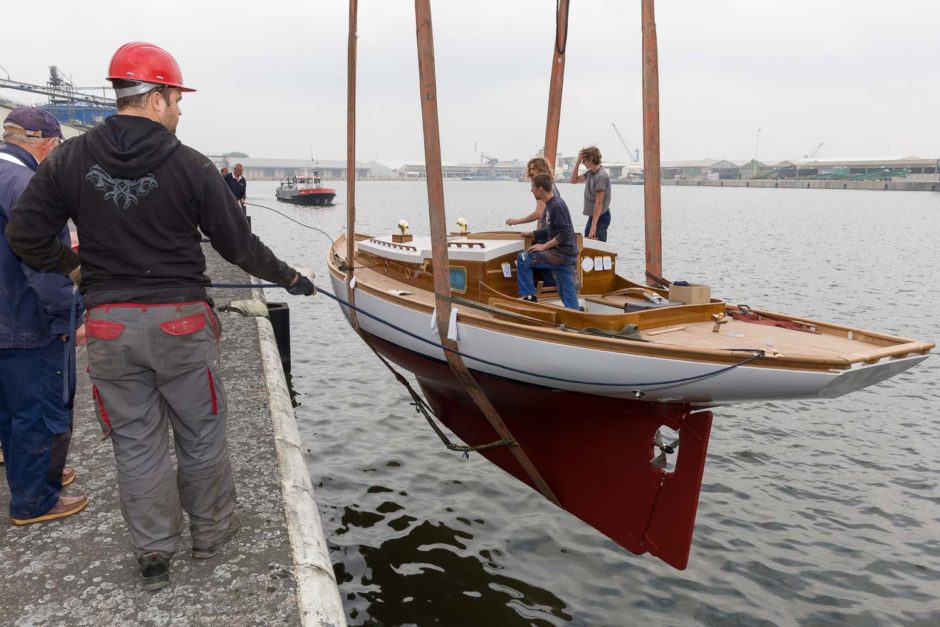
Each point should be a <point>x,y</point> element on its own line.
<point>66,102</point>
<point>632,153</point>
<point>488,160</point>
<point>812,155</point>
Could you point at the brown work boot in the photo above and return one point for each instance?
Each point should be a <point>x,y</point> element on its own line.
<point>66,506</point>
<point>68,475</point>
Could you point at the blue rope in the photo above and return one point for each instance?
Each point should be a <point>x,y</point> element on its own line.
<point>758,353</point>
<point>243,285</point>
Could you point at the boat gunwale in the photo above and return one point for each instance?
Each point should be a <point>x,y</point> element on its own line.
<point>903,347</point>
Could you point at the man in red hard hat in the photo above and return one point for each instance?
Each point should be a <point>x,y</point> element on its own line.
<point>137,196</point>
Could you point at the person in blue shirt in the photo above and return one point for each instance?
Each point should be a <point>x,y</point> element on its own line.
<point>558,254</point>
<point>40,318</point>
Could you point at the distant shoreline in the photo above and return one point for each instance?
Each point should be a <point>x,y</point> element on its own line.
<point>896,186</point>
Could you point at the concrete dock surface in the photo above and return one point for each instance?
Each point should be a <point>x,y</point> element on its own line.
<point>81,570</point>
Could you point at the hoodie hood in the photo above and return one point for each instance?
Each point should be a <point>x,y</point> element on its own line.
<point>129,146</point>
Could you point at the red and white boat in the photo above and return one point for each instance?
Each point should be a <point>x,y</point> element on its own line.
<point>305,190</point>
<point>586,393</point>
<point>578,403</point>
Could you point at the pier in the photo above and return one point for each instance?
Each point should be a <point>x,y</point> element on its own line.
<point>81,570</point>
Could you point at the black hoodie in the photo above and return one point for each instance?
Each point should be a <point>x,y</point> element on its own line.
<point>137,196</point>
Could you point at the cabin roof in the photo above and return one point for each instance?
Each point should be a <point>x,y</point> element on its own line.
<point>458,248</point>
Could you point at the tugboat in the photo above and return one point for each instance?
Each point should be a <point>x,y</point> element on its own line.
<point>305,190</point>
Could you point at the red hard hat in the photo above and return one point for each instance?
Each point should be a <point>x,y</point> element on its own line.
<point>140,61</point>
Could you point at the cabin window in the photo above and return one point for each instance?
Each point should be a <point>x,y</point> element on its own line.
<point>458,278</point>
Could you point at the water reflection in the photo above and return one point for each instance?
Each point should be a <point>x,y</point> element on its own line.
<point>428,576</point>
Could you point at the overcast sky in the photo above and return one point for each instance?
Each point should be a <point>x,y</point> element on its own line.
<point>859,76</point>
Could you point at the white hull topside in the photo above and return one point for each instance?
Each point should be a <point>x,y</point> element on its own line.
<point>613,374</point>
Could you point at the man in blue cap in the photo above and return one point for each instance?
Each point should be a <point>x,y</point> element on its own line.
<point>40,318</point>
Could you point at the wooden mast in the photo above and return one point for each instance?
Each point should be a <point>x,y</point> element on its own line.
<point>432,160</point>
<point>557,84</point>
<point>652,197</point>
<point>351,161</point>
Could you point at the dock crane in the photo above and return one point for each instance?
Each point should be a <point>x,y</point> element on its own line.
<point>812,155</point>
<point>633,154</point>
<point>489,160</point>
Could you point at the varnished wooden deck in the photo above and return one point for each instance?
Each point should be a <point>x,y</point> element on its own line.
<point>675,331</point>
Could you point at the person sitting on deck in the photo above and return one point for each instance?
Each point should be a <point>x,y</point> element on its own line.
<point>535,166</point>
<point>558,254</point>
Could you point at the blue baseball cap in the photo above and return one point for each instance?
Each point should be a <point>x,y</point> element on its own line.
<point>35,122</point>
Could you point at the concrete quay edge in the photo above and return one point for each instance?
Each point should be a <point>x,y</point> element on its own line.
<point>317,592</point>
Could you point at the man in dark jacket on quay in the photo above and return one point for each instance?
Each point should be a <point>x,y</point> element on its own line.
<point>237,183</point>
<point>40,317</point>
<point>139,198</point>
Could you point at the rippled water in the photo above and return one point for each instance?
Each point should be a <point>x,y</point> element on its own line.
<point>811,513</point>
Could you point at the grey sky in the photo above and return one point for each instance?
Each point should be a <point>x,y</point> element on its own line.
<point>860,76</point>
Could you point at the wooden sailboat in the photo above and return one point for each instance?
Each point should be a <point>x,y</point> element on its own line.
<point>583,397</point>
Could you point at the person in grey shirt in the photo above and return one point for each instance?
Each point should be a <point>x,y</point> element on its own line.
<point>596,192</point>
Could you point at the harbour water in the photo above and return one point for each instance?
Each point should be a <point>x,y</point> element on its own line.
<point>812,512</point>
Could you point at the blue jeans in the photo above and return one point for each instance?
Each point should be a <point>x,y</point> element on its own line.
<point>563,272</point>
<point>35,426</point>
<point>602,223</point>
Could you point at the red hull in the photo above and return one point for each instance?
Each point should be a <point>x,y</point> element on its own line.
<point>593,452</point>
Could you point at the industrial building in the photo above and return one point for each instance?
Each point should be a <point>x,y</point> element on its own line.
<point>906,168</point>
<point>277,169</point>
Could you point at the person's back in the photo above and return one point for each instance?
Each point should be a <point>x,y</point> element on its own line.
<point>137,197</point>
<point>140,196</point>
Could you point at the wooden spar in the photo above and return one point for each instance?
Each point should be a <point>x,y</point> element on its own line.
<point>432,160</point>
<point>652,197</point>
<point>351,161</point>
<point>557,84</point>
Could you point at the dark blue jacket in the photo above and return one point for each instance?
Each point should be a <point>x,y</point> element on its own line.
<point>238,185</point>
<point>35,307</point>
<point>559,225</point>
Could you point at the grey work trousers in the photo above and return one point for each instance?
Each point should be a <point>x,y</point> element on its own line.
<point>150,366</point>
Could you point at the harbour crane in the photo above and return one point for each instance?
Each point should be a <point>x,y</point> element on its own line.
<point>634,155</point>
<point>489,159</point>
<point>812,155</point>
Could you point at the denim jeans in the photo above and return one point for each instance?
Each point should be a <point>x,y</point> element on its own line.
<point>602,223</point>
<point>563,273</point>
<point>35,426</point>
